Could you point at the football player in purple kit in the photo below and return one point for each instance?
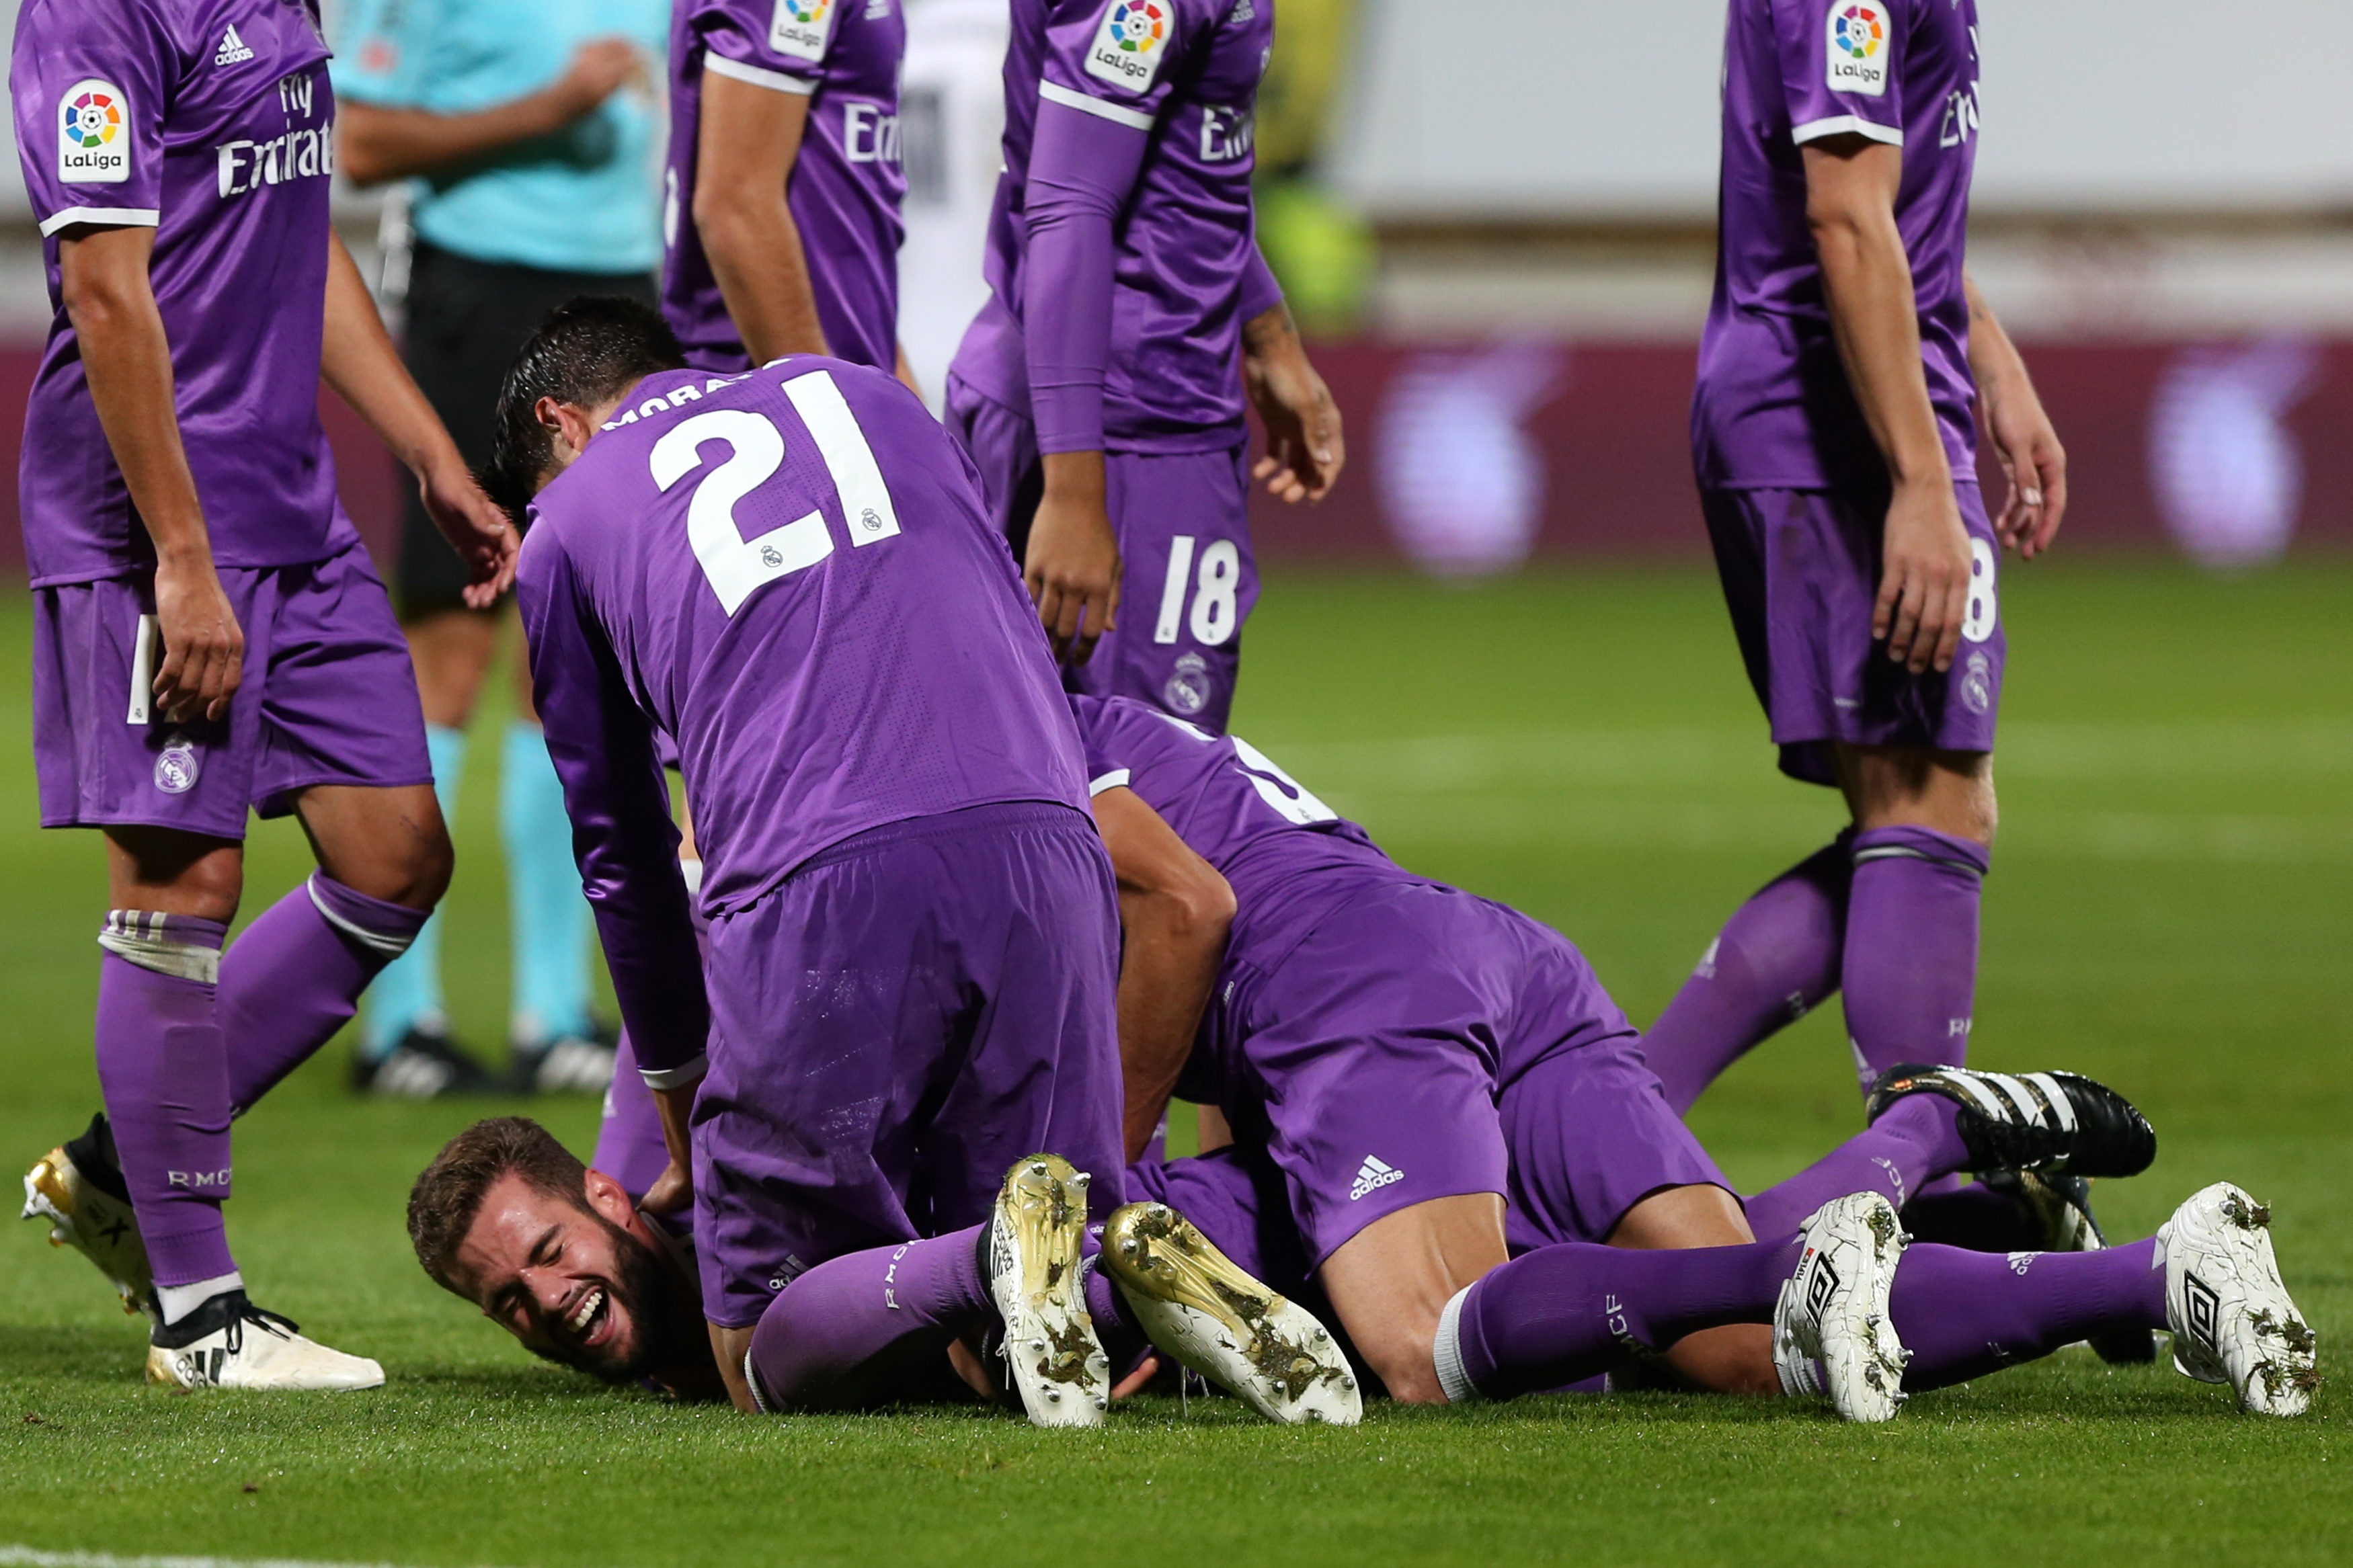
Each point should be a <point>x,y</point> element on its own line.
<point>1847,362</point>
<point>781,202</point>
<point>912,933</point>
<point>1453,1112</point>
<point>209,637</point>
<point>1101,389</point>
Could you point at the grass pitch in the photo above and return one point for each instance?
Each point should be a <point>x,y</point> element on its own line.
<point>2171,909</point>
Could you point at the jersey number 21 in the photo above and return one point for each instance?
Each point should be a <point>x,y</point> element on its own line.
<point>734,564</point>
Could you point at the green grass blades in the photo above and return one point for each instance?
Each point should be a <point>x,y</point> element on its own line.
<point>2171,909</point>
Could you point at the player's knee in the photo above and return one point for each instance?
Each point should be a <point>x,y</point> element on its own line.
<point>1735,1359</point>
<point>1408,1368</point>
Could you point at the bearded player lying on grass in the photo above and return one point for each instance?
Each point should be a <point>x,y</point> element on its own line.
<point>1536,1130</point>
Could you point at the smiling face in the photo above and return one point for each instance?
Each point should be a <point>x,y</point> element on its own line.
<point>577,1282</point>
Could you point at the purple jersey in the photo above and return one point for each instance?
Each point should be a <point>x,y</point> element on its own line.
<point>788,571</point>
<point>1290,858</point>
<point>846,180</point>
<point>212,123</point>
<point>1185,272</point>
<point>1772,408</point>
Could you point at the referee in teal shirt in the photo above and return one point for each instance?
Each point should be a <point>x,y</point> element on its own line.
<point>529,132</point>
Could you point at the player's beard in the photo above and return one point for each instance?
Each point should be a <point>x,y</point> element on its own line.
<point>661,1334</point>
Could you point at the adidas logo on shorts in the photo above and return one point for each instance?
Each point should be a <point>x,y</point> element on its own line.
<point>232,50</point>
<point>1373,1175</point>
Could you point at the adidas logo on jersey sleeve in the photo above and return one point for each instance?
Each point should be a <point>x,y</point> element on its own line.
<point>232,50</point>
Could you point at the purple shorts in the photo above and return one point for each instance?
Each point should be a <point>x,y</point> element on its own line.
<point>328,697</point>
<point>915,1009</point>
<point>1801,572</point>
<point>1426,1043</point>
<point>1189,579</point>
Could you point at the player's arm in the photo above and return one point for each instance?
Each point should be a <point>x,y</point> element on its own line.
<point>357,359</point>
<point>2021,434</point>
<point>748,141</point>
<point>1174,913</point>
<point>1851,183</point>
<point>1081,167</point>
<point>1304,448</point>
<point>380,142</point>
<point>622,834</point>
<point>119,331</point>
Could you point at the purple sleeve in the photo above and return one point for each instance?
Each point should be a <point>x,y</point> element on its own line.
<point>89,84</point>
<point>1840,66</point>
<point>1104,768</point>
<point>1080,170</point>
<point>766,42</point>
<point>1260,293</point>
<point>622,834</point>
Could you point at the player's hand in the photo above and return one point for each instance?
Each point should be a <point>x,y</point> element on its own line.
<point>1073,568</point>
<point>599,67</point>
<point>1304,448</point>
<point>673,1189</point>
<point>477,530</point>
<point>203,647</point>
<point>2033,460</point>
<point>1924,583</point>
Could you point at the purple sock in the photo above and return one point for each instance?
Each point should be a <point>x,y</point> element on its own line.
<point>1963,1314</point>
<point>1123,1339</point>
<point>1561,1314</point>
<point>1774,962</point>
<point>1911,968</point>
<point>858,1330</point>
<point>294,977</point>
<point>163,1073</point>
<point>1913,1144</point>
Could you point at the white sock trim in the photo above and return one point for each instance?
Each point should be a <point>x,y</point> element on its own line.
<point>690,871</point>
<point>176,1302</point>
<point>390,944</point>
<point>752,1381</point>
<point>143,938</point>
<point>1446,1351</point>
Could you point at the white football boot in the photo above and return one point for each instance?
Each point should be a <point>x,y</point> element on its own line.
<point>82,1195</point>
<point>1195,1305</point>
<point>1034,1235</point>
<point>1831,1328</point>
<point>2231,1320</point>
<point>229,1343</point>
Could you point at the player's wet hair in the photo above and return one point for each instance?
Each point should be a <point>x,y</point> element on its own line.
<point>586,353</point>
<point>443,1204</point>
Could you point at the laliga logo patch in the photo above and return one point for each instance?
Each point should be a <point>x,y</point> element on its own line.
<point>800,28</point>
<point>1856,55</point>
<point>1131,42</point>
<point>94,133</point>
<point>177,767</point>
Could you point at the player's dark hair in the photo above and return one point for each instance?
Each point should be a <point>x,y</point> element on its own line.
<point>586,352</point>
<point>443,1204</point>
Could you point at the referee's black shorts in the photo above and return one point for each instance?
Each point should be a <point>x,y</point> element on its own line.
<point>466,321</point>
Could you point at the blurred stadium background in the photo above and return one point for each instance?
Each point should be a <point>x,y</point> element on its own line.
<point>1502,236</point>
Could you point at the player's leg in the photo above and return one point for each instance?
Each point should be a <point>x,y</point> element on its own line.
<point>1773,962</point>
<point>344,751</point>
<point>1781,954</point>
<point>1188,581</point>
<point>173,799</point>
<point>405,1044</point>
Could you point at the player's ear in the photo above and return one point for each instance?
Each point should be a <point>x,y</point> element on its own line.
<point>607,1198</point>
